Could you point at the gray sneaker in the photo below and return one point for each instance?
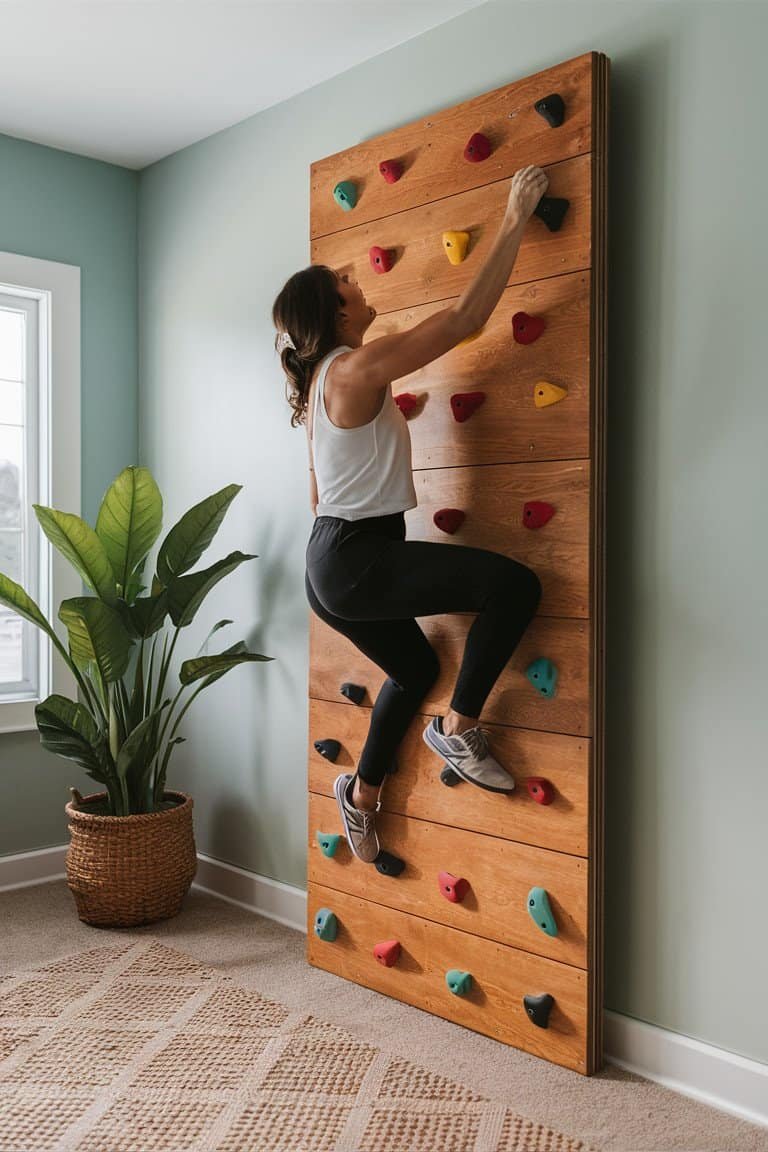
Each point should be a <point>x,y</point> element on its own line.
<point>467,754</point>
<point>359,825</point>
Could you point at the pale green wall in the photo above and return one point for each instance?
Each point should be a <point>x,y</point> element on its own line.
<point>58,206</point>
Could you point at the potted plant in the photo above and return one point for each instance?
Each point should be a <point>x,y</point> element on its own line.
<point>131,857</point>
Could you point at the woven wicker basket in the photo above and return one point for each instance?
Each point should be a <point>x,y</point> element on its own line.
<point>125,870</point>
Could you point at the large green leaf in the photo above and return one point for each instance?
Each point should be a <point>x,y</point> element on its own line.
<point>68,730</point>
<point>16,598</point>
<point>129,521</point>
<point>78,542</point>
<point>141,745</point>
<point>214,667</point>
<point>187,540</point>
<point>96,632</point>
<point>186,593</point>
<point>149,612</point>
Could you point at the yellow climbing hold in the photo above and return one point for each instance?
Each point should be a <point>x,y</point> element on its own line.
<point>455,245</point>
<point>545,393</point>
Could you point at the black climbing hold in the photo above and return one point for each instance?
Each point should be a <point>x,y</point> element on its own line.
<point>552,210</point>
<point>388,864</point>
<point>552,108</point>
<point>328,748</point>
<point>353,692</point>
<point>539,1008</point>
<point>449,777</point>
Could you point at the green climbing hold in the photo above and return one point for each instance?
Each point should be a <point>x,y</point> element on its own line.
<point>345,194</point>
<point>542,673</point>
<point>460,983</point>
<point>326,924</point>
<point>328,841</point>
<point>541,913</point>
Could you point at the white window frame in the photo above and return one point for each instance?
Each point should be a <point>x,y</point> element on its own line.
<point>56,288</point>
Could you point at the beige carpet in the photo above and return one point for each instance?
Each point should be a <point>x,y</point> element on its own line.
<point>245,1045</point>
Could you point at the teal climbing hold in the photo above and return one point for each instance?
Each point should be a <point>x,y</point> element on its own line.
<point>542,673</point>
<point>541,912</point>
<point>345,194</point>
<point>326,924</point>
<point>460,983</point>
<point>328,841</point>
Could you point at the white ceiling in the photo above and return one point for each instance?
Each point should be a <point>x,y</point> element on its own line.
<point>130,81</point>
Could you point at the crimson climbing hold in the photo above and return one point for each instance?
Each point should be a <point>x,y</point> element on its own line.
<point>545,393</point>
<point>328,748</point>
<point>463,404</point>
<point>478,148</point>
<point>387,953</point>
<point>536,513</point>
<point>540,789</point>
<point>552,108</point>
<point>552,210</point>
<point>449,519</point>
<point>388,865</point>
<point>345,194</point>
<point>454,888</point>
<point>407,403</point>
<point>460,983</point>
<point>542,673</point>
<point>539,1008</point>
<point>449,777</point>
<point>353,692</point>
<point>326,924</point>
<point>391,170</point>
<point>455,245</point>
<point>526,329</point>
<point>328,841</point>
<point>381,259</point>
<point>541,912</point>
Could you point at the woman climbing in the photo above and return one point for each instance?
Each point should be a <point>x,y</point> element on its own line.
<point>362,576</point>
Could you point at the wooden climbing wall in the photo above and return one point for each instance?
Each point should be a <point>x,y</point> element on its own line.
<point>508,453</point>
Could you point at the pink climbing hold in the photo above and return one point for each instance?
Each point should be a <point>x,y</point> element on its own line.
<point>454,888</point>
<point>407,403</point>
<point>536,513</point>
<point>526,329</point>
<point>387,953</point>
<point>478,148</point>
<point>391,170</point>
<point>463,404</point>
<point>449,519</point>
<point>381,259</point>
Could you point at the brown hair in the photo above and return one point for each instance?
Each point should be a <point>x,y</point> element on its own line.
<point>306,307</point>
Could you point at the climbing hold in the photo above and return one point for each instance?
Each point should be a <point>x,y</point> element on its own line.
<point>454,888</point>
<point>545,393</point>
<point>449,519</point>
<point>540,789</point>
<point>387,953</point>
<point>542,673</point>
<point>353,692</point>
<point>472,336</point>
<point>407,403</point>
<point>328,841</point>
<point>381,259</point>
<point>326,924</point>
<point>552,210</point>
<point>541,913</point>
<point>539,1008</point>
<point>389,865</point>
<point>328,748</point>
<point>552,108</point>
<point>478,148</point>
<point>345,194</point>
<point>455,245</point>
<point>536,513</point>
<point>526,329</point>
<point>449,777</point>
<point>463,404</point>
<point>460,983</point>
<point>391,170</point>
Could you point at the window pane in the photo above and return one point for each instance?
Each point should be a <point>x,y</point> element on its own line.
<point>11,455</point>
<point>11,344</point>
<point>11,402</point>
<point>11,561</point>
<point>11,667</point>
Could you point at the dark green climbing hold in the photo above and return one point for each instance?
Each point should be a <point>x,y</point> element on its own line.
<point>353,692</point>
<point>542,673</point>
<point>345,194</point>
<point>328,841</point>
<point>328,748</point>
<point>539,1008</point>
<point>460,983</point>
<point>449,777</point>
<point>541,912</point>
<point>326,924</point>
<point>552,210</point>
<point>388,865</point>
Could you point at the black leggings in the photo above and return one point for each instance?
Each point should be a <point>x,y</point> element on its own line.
<point>368,582</point>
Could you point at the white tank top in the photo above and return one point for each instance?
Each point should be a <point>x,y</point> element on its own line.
<point>363,471</point>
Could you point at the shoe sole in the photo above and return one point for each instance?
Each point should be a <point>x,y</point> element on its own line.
<point>339,785</point>
<point>427,734</point>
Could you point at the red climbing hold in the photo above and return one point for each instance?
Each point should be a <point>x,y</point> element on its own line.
<point>454,888</point>
<point>391,170</point>
<point>449,519</point>
<point>387,953</point>
<point>526,329</point>
<point>478,148</point>
<point>381,259</point>
<point>536,513</point>
<point>407,403</point>
<point>463,404</point>
<point>540,789</point>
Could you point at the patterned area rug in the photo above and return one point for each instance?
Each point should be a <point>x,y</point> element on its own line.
<point>137,1047</point>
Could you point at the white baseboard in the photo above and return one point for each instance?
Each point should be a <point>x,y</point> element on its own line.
<point>712,1075</point>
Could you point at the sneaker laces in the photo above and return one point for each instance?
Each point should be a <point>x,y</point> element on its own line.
<point>477,741</point>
